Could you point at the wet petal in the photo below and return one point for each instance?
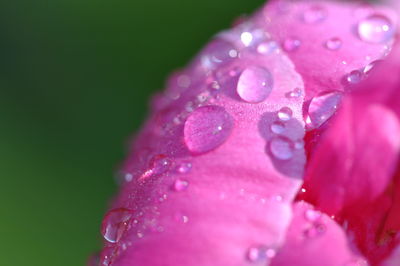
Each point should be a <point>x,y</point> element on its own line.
<point>315,239</point>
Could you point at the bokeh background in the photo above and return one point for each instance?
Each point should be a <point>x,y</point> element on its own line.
<point>75,80</point>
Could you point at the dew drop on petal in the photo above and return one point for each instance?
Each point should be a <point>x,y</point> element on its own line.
<point>367,69</point>
<point>255,84</point>
<point>333,44</point>
<point>314,14</point>
<point>260,254</point>
<point>312,215</point>
<point>159,164</point>
<point>375,29</point>
<point>281,148</point>
<point>296,93</point>
<point>321,108</point>
<point>316,230</point>
<point>266,48</point>
<point>115,224</point>
<point>246,38</point>
<point>180,185</point>
<point>277,127</point>
<point>285,114</point>
<point>184,167</point>
<point>291,44</point>
<point>207,128</point>
<point>354,77</point>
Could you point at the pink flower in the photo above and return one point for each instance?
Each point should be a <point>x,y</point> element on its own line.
<point>278,145</point>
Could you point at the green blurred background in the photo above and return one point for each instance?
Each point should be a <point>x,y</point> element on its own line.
<point>75,79</point>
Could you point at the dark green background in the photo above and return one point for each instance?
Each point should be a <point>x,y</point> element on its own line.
<point>75,80</point>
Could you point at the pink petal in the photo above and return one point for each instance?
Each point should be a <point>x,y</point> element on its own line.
<point>210,179</point>
<point>314,239</point>
<point>317,25</point>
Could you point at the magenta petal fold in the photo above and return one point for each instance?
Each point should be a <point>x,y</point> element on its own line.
<point>314,239</point>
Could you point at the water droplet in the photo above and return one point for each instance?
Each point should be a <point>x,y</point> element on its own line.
<point>255,84</point>
<point>184,168</point>
<point>298,145</point>
<point>285,114</point>
<point>333,44</point>
<point>181,185</point>
<point>207,128</point>
<point>115,224</point>
<point>158,165</point>
<point>296,93</point>
<point>312,215</point>
<point>321,108</point>
<point>260,254</point>
<point>246,38</point>
<point>367,70</point>
<point>354,77</point>
<point>314,14</point>
<point>316,230</point>
<point>291,44</point>
<point>277,127</point>
<point>375,29</point>
<point>266,48</point>
<point>128,177</point>
<point>281,148</point>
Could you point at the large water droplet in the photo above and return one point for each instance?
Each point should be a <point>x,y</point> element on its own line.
<point>321,108</point>
<point>115,224</point>
<point>281,148</point>
<point>285,114</point>
<point>375,29</point>
<point>260,254</point>
<point>333,44</point>
<point>315,14</point>
<point>255,84</point>
<point>368,68</point>
<point>291,44</point>
<point>207,128</point>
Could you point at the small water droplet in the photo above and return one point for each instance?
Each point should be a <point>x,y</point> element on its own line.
<point>312,215</point>
<point>315,14</point>
<point>184,167</point>
<point>291,44</point>
<point>375,28</point>
<point>158,165</point>
<point>278,127</point>
<point>128,177</point>
<point>354,77</point>
<point>321,108</point>
<point>260,254</point>
<point>285,114</point>
<point>316,230</point>
<point>255,84</point>
<point>181,185</point>
<point>367,70</point>
<point>298,145</point>
<point>207,128</point>
<point>296,93</point>
<point>333,44</point>
<point>266,48</point>
<point>246,38</point>
<point>281,148</point>
<point>115,224</point>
